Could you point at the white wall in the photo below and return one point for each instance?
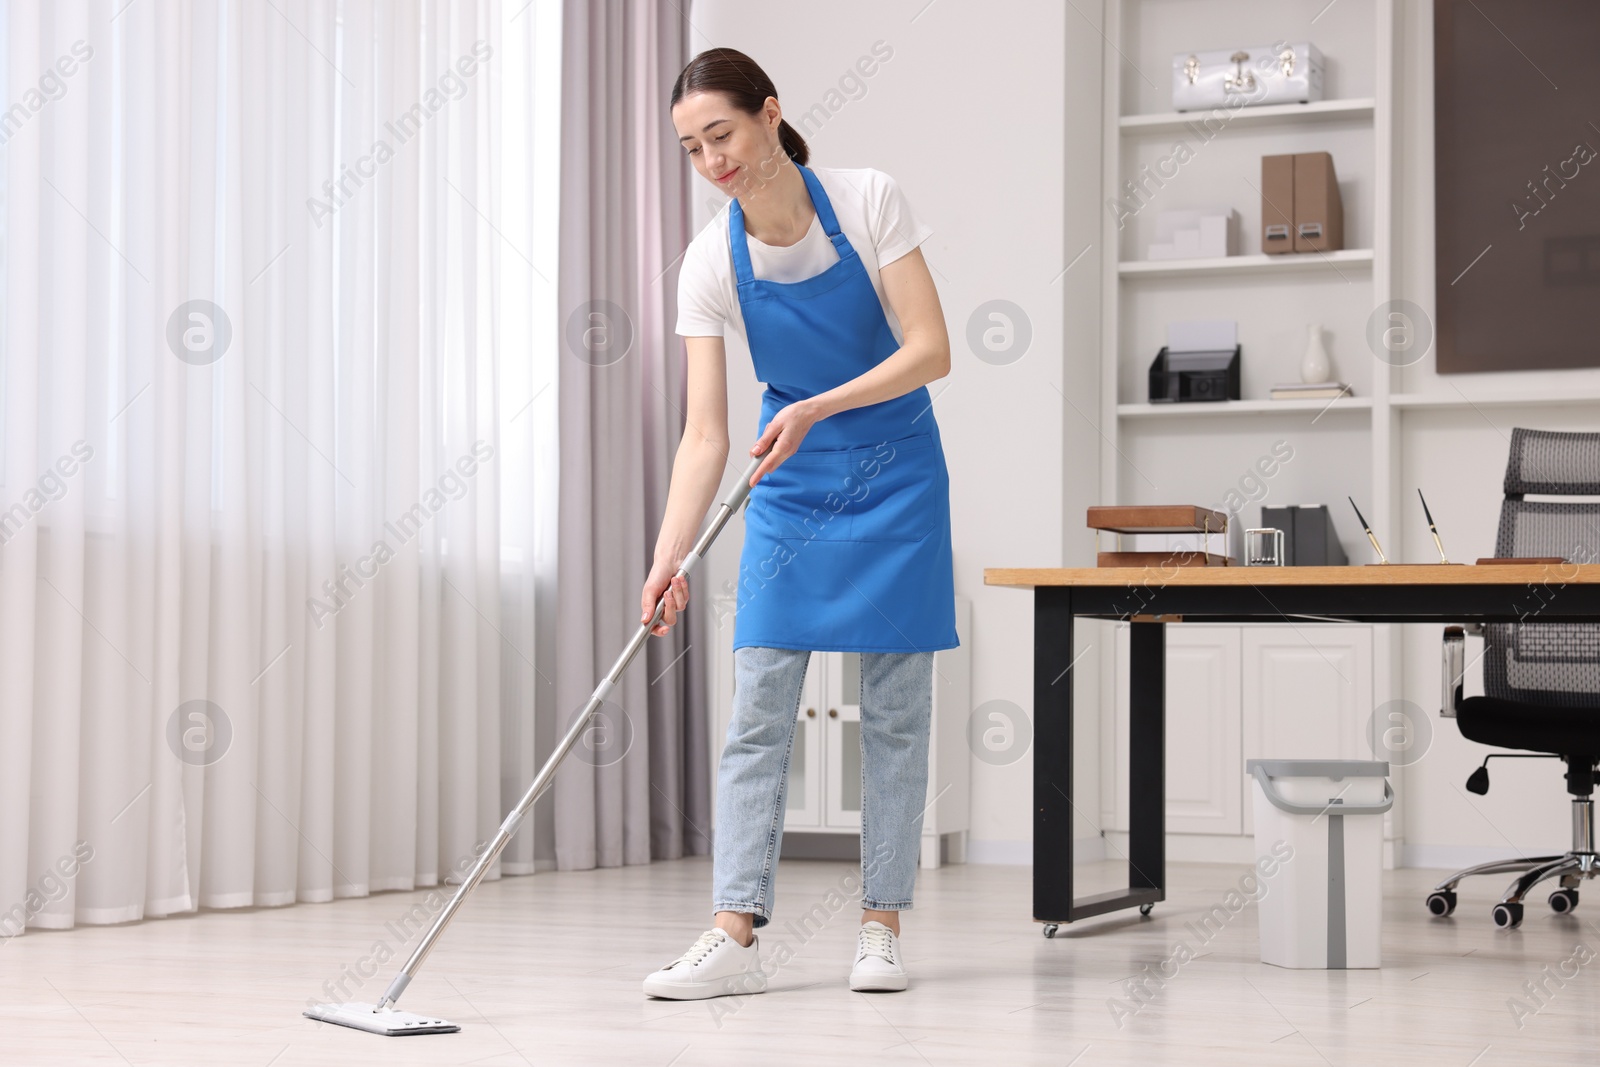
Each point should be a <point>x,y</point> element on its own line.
<point>1456,455</point>
<point>1458,458</point>
<point>992,125</point>
<point>971,116</point>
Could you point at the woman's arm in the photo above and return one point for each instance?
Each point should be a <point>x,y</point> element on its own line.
<point>696,474</point>
<point>923,356</point>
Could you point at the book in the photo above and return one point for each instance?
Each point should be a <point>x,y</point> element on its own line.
<point>1310,391</point>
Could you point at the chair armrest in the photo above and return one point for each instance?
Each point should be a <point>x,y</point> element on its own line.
<point>1454,666</point>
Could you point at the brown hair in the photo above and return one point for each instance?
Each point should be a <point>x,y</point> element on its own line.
<point>739,78</point>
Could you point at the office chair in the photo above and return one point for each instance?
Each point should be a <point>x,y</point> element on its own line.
<point>1541,680</point>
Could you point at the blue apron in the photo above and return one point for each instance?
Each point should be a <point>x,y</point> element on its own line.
<point>847,542</point>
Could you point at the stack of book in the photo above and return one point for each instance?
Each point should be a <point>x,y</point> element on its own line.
<point>1162,535</point>
<point>1310,390</point>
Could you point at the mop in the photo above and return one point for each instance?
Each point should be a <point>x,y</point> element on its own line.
<point>382,1017</point>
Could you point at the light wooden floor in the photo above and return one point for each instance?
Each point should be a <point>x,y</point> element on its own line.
<point>546,970</point>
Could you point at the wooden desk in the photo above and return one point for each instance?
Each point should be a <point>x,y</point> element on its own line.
<point>1151,598</point>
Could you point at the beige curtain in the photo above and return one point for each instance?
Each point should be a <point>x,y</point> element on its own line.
<point>637,788</point>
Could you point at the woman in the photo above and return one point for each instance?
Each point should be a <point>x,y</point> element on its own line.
<point>847,533</point>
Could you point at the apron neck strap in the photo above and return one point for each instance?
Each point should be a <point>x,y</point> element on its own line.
<point>820,201</point>
<point>739,244</point>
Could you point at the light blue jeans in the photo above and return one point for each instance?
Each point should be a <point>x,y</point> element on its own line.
<point>753,776</point>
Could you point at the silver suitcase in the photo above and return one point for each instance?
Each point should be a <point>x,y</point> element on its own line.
<point>1281,73</point>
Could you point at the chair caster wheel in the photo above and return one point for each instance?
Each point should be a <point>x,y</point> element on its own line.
<point>1050,929</point>
<point>1146,909</point>
<point>1442,902</point>
<point>1562,901</point>
<point>1507,916</point>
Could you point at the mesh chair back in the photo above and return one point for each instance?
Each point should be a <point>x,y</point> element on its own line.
<point>1556,464</point>
<point>1540,662</point>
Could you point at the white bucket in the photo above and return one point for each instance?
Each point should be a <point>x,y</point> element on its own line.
<point>1325,907</point>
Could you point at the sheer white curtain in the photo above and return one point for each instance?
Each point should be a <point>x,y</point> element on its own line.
<point>268,518</point>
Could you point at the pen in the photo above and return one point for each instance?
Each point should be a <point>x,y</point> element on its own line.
<point>1370,535</point>
<point>1431,527</point>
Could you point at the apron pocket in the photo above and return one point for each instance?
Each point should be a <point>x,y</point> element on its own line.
<point>899,490</point>
<point>894,491</point>
<point>809,497</point>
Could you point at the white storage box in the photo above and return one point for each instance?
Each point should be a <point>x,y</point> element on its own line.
<point>1280,73</point>
<point>1204,233</point>
<point>1325,907</point>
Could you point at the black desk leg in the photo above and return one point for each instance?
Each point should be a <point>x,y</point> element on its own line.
<point>1052,755</point>
<point>1053,902</point>
<point>1147,758</point>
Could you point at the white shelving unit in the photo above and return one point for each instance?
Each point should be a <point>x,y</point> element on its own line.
<point>1515,398</point>
<point>1221,409</point>
<point>1196,453</point>
<point>1167,122</point>
<point>1272,297</point>
<point>1246,264</point>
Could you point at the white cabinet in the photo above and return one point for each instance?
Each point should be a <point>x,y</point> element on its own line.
<point>841,738</point>
<point>1307,694</point>
<point>1234,693</point>
<point>1203,791</point>
<point>825,766</point>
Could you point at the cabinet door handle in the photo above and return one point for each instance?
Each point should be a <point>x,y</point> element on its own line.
<point>833,713</point>
<point>811,713</point>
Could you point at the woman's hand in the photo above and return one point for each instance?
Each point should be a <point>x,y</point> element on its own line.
<point>783,435</point>
<point>664,573</point>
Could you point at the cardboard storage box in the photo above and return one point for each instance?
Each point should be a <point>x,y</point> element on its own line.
<point>1301,210</point>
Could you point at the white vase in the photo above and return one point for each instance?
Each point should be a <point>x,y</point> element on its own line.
<point>1314,365</point>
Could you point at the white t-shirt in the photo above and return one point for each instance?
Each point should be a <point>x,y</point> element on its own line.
<point>873,214</point>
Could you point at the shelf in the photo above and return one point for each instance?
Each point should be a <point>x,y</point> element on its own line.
<point>1454,399</point>
<point>1321,110</point>
<point>1242,407</point>
<point>1408,401</point>
<point>1288,262</point>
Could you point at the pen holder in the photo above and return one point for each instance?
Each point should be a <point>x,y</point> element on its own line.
<point>1263,547</point>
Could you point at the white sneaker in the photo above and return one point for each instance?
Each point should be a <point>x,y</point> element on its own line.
<point>877,965</point>
<point>716,965</point>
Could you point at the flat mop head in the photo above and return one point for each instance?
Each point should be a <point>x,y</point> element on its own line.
<point>388,1022</point>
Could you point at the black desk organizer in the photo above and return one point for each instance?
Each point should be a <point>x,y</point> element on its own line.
<point>1198,376</point>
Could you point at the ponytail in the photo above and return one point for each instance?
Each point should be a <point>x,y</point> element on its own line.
<point>793,143</point>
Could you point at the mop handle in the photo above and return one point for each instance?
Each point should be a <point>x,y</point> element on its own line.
<point>730,504</point>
